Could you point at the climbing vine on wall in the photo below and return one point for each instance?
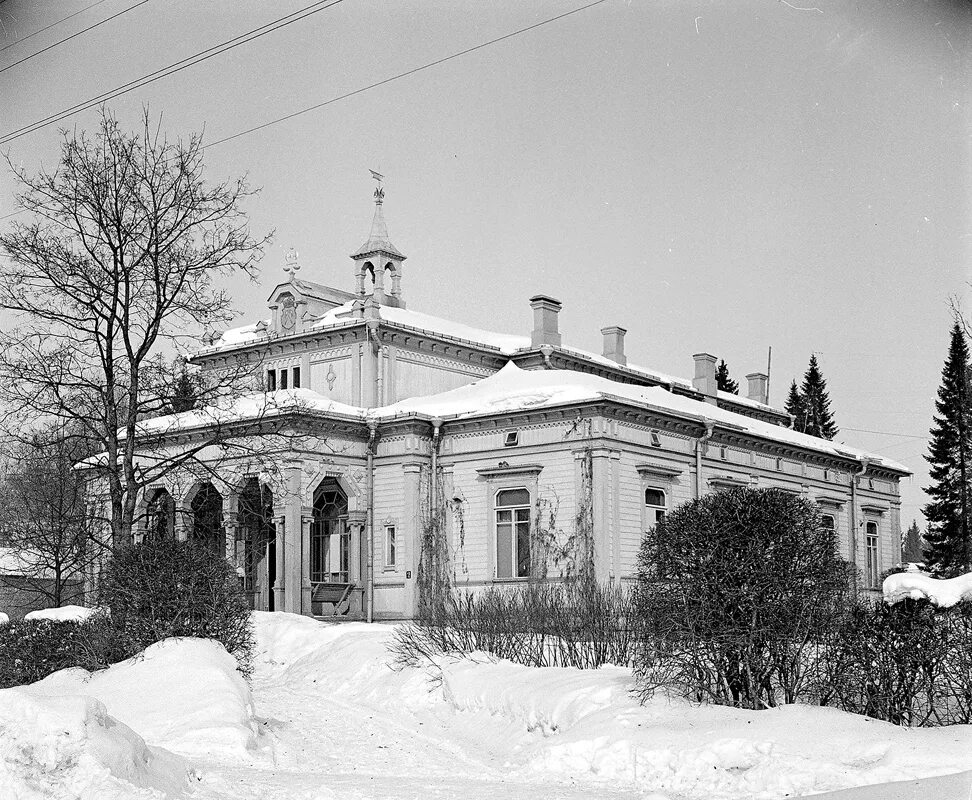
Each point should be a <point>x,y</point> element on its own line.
<point>457,506</point>
<point>572,554</point>
<point>434,579</point>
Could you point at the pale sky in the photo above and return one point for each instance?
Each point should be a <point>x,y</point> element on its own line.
<point>718,176</point>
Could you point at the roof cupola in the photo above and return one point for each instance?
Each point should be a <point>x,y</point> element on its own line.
<point>379,256</point>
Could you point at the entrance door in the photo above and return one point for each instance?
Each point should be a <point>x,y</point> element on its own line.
<point>330,535</point>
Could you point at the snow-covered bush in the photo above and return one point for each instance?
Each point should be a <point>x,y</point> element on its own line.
<point>737,590</point>
<point>162,588</point>
<point>33,649</point>
<point>578,623</point>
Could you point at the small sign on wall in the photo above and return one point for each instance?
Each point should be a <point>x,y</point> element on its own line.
<point>408,574</point>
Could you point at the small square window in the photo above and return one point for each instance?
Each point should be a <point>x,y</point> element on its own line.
<point>512,439</point>
<point>390,546</point>
<point>655,439</point>
<point>723,453</point>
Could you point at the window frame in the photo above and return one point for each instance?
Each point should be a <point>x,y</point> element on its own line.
<point>391,547</point>
<point>517,519</point>
<point>271,380</point>
<point>660,511</point>
<point>295,377</point>
<point>872,553</point>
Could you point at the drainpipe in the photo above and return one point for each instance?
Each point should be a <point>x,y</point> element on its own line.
<point>852,541</point>
<point>434,481</point>
<point>370,520</point>
<point>699,445</point>
<point>374,339</point>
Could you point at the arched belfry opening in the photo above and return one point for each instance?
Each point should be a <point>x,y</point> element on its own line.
<point>378,263</point>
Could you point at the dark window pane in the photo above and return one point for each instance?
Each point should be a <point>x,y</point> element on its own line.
<point>523,551</point>
<point>296,377</point>
<point>513,497</point>
<point>654,497</point>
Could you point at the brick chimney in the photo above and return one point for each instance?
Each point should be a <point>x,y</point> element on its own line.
<point>614,343</point>
<point>757,386</point>
<point>545,311</point>
<point>705,375</point>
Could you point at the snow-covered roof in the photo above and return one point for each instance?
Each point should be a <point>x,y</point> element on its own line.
<point>248,407</point>
<point>507,344</point>
<point>515,389</point>
<point>510,389</point>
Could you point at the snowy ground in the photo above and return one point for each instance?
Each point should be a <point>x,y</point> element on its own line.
<point>327,718</point>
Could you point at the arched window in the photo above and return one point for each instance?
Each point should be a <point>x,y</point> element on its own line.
<point>207,517</point>
<point>160,517</point>
<point>827,522</point>
<point>513,509</point>
<point>330,535</point>
<point>656,505</point>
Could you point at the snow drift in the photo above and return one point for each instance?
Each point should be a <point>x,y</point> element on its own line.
<point>58,747</point>
<point>941,592</point>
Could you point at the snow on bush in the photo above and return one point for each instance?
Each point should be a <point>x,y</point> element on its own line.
<point>63,614</point>
<point>182,694</point>
<point>941,592</point>
<point>59,747</point>
<point>4,619</point>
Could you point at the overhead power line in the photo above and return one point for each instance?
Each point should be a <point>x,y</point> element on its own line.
<point>174,67</point>
<point>52,25</point>
<point>74,35</point>
<point>404,74</point>
<point>884,433</point>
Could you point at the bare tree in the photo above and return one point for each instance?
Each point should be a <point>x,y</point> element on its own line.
<point>113,275</point>
<point>43,517</point>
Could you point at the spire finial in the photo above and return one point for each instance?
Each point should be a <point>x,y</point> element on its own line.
<point>379,192</point>
<point>292,263</point>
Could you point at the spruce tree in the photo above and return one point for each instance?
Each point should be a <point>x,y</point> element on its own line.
<point>794,406</point>
<point>911,545</point>
<point>816,403</point>
<point>723,381</point>
<point>949,453</point>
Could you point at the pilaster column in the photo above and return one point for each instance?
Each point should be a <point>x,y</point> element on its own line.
<point>410,546</point>
<point>306,520</point>
<point>293,512</point>
<point>279,562</point>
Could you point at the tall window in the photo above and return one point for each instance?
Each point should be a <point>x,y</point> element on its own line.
<point>513,533</point>
<point>390,554</point>
<point>873,568</point>
<point>296,381</point>
<point>283,379</point>
<point>271,380</point>
<point>330,537</point>
<point>656,504</point>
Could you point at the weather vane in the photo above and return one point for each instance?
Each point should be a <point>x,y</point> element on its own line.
<point>379,192</point>
<point>292,264</point>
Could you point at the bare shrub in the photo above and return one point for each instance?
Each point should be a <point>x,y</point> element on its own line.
<point>579,624</point>
<point>737,589</point>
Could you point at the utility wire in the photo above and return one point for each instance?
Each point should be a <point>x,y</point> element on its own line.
<point>176,66</point>
<point>53,24</point>
<point>400,75</point>
<point>884,433</point>
<point>74,35</point>
<point>429,65</point>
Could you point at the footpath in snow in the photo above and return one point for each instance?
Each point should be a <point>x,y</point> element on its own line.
<point>326,716</point>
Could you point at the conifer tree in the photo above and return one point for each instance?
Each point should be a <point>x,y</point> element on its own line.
<point>723,382</point>
<point>794,406</point>
<point>949,550</point>
<point>819,421</point>
<point>911,545</point>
